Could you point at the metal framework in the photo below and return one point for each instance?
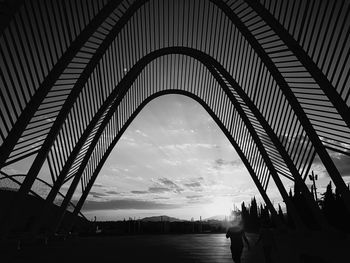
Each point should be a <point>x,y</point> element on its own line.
<point>274,75</point>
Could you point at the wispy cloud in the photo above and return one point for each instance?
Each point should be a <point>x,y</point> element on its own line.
<point>98,185</point>
<point>193,185</point>
<point>158,189</point>
<point>171,162</point>
<point>188,146</point>
<point>194,196</point>
<point>141,133</point>
<point>169,184</point>
<point>161,198</point>
<point>139,192</point>
<point>97,194</point>
<point>160,185</point>
<point>112,193</point>
<point>221,162</point>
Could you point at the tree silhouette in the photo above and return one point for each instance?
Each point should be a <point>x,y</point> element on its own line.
<point>280,213</point>
<point>331,205</point>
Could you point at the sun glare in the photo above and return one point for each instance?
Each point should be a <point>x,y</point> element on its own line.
<point>220,206</point>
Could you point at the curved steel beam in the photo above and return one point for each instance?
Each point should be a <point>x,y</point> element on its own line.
<point>324,155</point>
<point>207,61</point>
<point>40,158</point>
<point>218,122</point>
<point>286,90</point>
<point>40,94</point>
<point>304,58</point>
<point>318,144</point>
<point>35,103</point>
<point>281,82</point>
<point>252,41</point>
<point>291,98</point>
<point>316,212</point>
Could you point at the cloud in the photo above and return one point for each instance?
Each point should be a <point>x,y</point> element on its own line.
<point>170,184</point>
<point>141,133</point>
<point>159,189</point>
<point>237,163</point>
<point>197,199</point>
<point>128,140</point>
<point>218,163</point>
<point>188,146</point>
<point>126,204</point>
<point>194,196</point>
<point>171,162</point>
<point>139,192</point>
<point>97,194</point>
<point>118,170</point>
<point>112,192</point>
<point>193,184</point>
<point>160,185</point>
<point>161,198</point>
<point>153,190</point>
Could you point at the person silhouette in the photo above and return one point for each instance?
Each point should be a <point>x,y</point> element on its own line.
<point>268,241</point>
<point>236,234</point>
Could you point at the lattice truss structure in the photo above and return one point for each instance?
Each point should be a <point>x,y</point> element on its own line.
<point>274,75</point>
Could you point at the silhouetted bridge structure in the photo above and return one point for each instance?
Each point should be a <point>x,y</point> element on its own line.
<point>274,75</point>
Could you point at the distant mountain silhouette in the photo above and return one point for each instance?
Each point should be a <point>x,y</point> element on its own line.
<point>217,217</point>
<point>161,218</point>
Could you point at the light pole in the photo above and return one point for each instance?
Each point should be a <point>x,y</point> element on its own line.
<point>313,177</point>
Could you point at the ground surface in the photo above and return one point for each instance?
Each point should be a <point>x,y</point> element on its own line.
<point>200,248</point>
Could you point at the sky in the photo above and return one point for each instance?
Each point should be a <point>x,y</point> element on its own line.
<point>174,160</point>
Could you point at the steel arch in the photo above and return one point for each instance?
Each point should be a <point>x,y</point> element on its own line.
<point>47,84</point>
<point>119,93</point>
<point>304,58</point>
<point>218,122</point>
<point>246,33</point>
<point>212,65</point>
<point>239,19</point>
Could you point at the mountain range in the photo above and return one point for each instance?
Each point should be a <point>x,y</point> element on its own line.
<point>161,218</point>
<point>173,219</point>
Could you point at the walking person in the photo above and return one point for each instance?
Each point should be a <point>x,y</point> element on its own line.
<point>236,234</point>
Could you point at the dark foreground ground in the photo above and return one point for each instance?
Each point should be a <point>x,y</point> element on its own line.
<point>142,248</point>
<point>199,248</point>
